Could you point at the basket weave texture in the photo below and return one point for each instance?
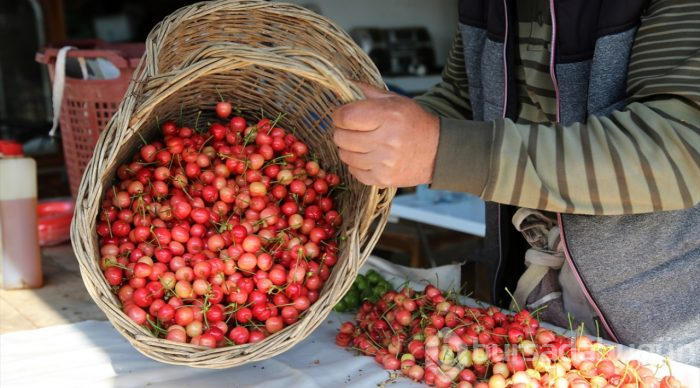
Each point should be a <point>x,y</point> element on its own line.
<point>259,55</point>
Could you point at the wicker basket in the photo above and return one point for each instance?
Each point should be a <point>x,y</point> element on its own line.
<point>273,56</point>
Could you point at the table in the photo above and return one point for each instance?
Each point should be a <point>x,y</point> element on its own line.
<point>413,84</point>
<point>93,354</point>
<point>455,211</point>
<point>464,213</point>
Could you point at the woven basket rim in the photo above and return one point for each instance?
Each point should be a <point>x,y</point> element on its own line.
<point>206,8</point>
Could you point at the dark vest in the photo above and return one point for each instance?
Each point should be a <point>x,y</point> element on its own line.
<point>624,263</point>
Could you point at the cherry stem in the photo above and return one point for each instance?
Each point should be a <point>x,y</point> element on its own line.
<point>142,139</point>
<point>515,302</point>
<point>274,123</point>
<point>196,121</point>
<point>205,143</point>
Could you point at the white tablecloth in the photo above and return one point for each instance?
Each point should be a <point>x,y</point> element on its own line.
<point>93,354</point>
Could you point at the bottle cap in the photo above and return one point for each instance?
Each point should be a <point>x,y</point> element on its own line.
<point>11,148</point>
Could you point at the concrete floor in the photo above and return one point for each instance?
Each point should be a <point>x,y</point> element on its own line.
<point>62,299</point>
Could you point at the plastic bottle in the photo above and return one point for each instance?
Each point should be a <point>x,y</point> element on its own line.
<point>20,256</point>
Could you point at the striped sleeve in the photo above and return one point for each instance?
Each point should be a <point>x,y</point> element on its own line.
<point>665,58</point>
<point>450,97</point>
<point>644,158</point>
<point>641,159</point>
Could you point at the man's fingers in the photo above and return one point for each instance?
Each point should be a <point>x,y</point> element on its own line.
<point>356,160</point>
<point>363,115</point>
<point>371,91</point>
<point>363,176</point>
<point>355,141</point>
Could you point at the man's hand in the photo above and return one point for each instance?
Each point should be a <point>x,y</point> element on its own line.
<point>386,140</point>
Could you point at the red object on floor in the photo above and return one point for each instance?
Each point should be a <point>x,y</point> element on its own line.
<point>54,218</point>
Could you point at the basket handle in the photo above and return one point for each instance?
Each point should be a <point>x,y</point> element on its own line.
<point>59,84</point>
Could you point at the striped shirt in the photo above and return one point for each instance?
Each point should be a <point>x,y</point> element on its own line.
<point>643,158</point>
<point>536,99</point>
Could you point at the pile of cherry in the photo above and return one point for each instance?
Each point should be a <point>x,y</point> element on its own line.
<point>432,338</point>
<point>219,235</point>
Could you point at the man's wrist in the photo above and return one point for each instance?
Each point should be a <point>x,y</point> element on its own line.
<point>463,155</point>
